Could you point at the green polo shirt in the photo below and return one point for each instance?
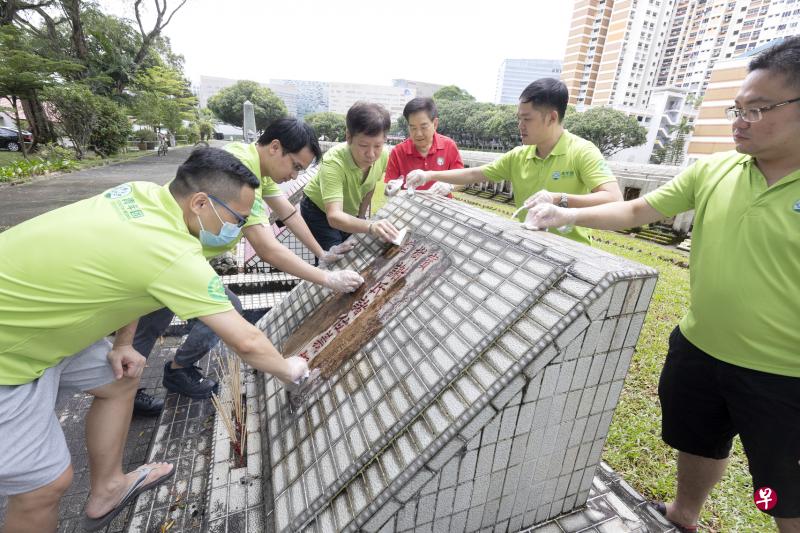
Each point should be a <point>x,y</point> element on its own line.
<point>75,274</point>
<point>745,261</point>
<point>248,155</point>
<point>340,180</point>
<point>574,166</point>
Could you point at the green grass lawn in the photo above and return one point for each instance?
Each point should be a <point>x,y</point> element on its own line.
<point>634,447</point>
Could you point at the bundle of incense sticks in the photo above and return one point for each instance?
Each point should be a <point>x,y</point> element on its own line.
<point>229,403</point>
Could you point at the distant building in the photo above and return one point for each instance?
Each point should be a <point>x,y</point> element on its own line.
<point>421,88</point>
<point>311,96</point>
<point>515,74</point>
<point>343,95</point>
<point>641,56</point>
<point>211,85</point>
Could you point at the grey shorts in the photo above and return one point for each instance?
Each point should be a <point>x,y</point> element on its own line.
<point>32,447</point>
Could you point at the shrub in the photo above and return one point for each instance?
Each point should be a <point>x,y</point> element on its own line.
<point>26,168</point>
<point>145,135</point>
<point>112,129</point>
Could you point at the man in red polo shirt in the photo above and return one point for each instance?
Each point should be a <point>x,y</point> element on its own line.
<point>424,149</point>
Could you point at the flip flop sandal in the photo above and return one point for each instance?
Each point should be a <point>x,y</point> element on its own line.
<point>136,488</point>
<point>661,508</point>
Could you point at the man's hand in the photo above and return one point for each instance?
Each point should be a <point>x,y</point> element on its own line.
<point>542,216</point>
<point>383,229</point>
<point>541,197</point>
<point>296,370</point>
<point>336,252</point>
<point>127,362</point>
<point>441,188</point>
<point>343,280</point>
<point>393,187</point>
<point>417,178</point>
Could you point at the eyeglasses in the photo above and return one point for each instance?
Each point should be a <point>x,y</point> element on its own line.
<point>241,221</point>
<point>753,114</point>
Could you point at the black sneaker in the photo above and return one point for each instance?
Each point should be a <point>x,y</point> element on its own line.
<point>146,405</point>
<point>188,381</point>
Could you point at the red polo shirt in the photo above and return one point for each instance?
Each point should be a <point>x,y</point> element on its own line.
<point>404,158</point>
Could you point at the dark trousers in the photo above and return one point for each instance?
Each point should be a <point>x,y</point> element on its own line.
<point>199,341</point>
<point>317,221</point>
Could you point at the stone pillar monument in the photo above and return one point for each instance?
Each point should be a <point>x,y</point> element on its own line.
<point>249,123</point>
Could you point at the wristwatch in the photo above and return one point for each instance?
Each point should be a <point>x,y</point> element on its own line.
<point>563,201</point>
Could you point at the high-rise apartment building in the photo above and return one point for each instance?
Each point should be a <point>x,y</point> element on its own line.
<point>515,74</point>
<point>619,51</point>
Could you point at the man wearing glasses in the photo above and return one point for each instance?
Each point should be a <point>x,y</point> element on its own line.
<point>286,148</point>
<point>733,365</point>
<point>109,259</point>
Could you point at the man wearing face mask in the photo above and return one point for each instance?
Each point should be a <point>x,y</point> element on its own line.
<point>425,149</point>
<point>287,146</point>
<point>565,169</point>
<point>108,260</point>
<point>336,201</point>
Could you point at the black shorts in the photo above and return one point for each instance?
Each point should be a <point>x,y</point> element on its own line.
<point>705,402</point>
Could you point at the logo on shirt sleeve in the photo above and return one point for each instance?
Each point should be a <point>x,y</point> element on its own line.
<point>258,208</point>
<point>216,290</point>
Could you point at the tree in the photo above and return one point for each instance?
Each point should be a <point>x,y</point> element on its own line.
<point>610,130</point>
<point>331,125</point>
<point>672,152</point>
<point>110,49</point>
<point>77,111</point>
<point>452,92</point>
<point>112,128</point>
<point>227,104</point>
<point>23,73</point>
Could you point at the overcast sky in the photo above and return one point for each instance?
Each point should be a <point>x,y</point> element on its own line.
<point>364,41</point>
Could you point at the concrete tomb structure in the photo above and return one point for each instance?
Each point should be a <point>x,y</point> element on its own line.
<point>468,385</point>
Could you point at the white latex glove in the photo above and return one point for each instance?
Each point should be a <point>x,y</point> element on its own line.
<point>297,370</point>
<point>416,178</point>
<point>543,216</point>
<point>343,280</point>
<point>541,197</point>
<point>336,252</point>
<point>442,188</point>
<point>393,186</point>
<point>384,230</point>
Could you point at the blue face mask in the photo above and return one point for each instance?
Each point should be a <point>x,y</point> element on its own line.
<point>227,233</point>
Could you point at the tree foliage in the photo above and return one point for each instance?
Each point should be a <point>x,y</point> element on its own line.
<point>109,50</point>
<point>452,93</point>
<point>23,73</point>
<point>227,104</point>
<point>672,152</point>
<point>331,125</point>
<point>77,111</point>
<point>610,130</point>
<point>112,128</point>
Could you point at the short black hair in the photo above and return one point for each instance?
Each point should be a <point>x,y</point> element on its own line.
<point>367,118</point>
<point>418,104</point>
<point>212,171</point>
<point>293,134</point>
<point>547,92</point>
<point>782,57</point>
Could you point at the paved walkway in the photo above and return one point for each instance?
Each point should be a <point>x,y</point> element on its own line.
<point>18,203</point>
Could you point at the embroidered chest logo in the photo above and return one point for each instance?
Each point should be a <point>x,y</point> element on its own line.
<point>796,207</point>
<point>558,174</point>
<point>440,161</point>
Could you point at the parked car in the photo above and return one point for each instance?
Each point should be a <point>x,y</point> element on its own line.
<point>9,139</point>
